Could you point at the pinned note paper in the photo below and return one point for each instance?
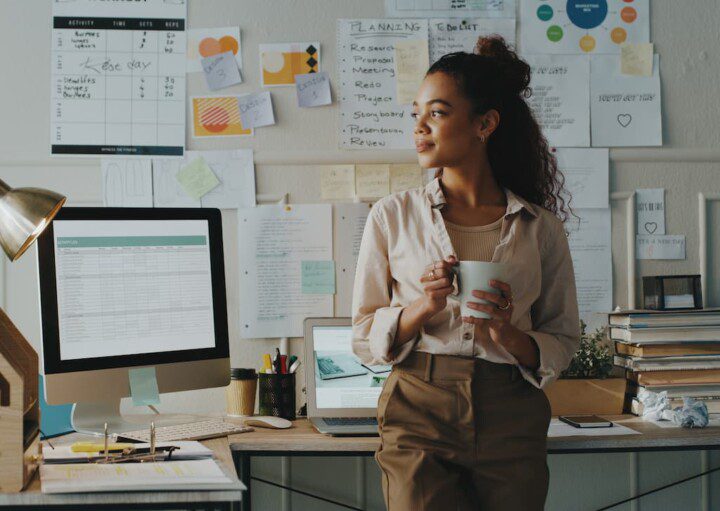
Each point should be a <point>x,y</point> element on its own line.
<point>660,247</point>
<point>313,89</point>
<point>636,59</point>
<point>256,110</point>
<point>624,110</point>
<point>206,42</point>
<point>143,386</point>
<point>217,116</point>
<point>411,64</point>
<point>318,277</point>
<point>372,181</point>
<point>127,183</point>
<point>221,70</point>
<point>279,63</point>
<point>650,209</point>
<point>337,182</point>
<point>196,178</point>
<point>404,176</point>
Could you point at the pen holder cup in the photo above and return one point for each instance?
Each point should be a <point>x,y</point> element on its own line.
<point>277,395</point>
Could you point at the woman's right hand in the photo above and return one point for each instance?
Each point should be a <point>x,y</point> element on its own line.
<point>437,282</point>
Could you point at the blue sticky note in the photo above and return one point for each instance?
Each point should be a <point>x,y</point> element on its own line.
<point>54,419</point>
<point>143,386</point>
<point>318,277</point>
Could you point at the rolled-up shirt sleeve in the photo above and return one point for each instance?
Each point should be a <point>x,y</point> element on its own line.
<point>374,319</point>
<point>555,319</point>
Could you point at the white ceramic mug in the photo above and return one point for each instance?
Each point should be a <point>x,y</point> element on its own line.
<point>476,275</point>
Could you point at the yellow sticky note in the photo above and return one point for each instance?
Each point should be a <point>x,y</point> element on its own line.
<point>372,181</point>
<point>196,178</point>
<point>411,64</point>
<point>636,59</point>
<point>338,182</point>
<point>405,176</point>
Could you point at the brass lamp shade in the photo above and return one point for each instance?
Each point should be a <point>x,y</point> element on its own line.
<point>24,213</point>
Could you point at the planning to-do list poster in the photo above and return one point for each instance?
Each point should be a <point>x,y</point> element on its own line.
<point>118,78</point>
<point>370,116</point>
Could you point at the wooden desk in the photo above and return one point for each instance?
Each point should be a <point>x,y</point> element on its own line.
<point>33,498</point>
<point>303,440</point>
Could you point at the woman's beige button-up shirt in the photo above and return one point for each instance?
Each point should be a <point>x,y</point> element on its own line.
<point>405,232</point>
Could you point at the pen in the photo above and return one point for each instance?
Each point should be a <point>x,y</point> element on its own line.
<point>291,361</point>
<point>105,444</point>
<point>277,360</point>
<point>294,366</point>
<point>91,447</point>
<point>283,364</point>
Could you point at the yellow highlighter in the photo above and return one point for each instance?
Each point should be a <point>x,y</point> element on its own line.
<point>92,447</point>
<point>267,363</point>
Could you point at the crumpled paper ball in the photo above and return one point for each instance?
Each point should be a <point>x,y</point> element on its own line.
<point>656,406</point>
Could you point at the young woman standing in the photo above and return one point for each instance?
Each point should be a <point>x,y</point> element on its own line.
<point>463,421</point>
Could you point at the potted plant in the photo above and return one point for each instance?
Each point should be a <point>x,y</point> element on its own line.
<point>586,387</point>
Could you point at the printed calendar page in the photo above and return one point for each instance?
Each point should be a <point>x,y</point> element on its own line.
<point>118,77</point>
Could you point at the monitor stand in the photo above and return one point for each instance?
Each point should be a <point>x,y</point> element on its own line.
<point>90,418</point>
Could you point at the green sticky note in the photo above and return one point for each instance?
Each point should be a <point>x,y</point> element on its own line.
<point>196,178</point>
<point>143,386</point>
<point>318,277</point>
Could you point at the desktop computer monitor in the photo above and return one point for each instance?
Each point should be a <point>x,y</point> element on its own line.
<point>125,288</point>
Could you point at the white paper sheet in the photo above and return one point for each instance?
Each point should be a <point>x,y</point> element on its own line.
<point>667,246</point>
<point>348,226</point>
<point>118,78</point>
<point>450,8</point>
<point>624,110</point>
<point>127,183</point>
<point>650,209</point>
<point>370,117</point>
<point>561,98</point>
<point>558,26</point>
<point>203,42</point>
<point>273,241</point>
<point>166,475</point>
<point>591,251</point>
<point>586,176</point>
<point>256,110</point>
<point>313,89</point>
<point>221,71</point>
<point>236,172</point>
<point>449,35</point>
<point>234,169</point>
<point>559,428</point>
<point>167,192</point>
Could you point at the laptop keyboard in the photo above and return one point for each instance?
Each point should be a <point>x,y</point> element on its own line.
<point>350,421</point>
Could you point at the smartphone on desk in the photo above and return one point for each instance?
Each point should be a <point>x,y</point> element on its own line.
<point>586,421</point>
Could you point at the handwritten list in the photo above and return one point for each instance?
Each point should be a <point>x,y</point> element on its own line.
<point>370,116</point>
<point>118,78</point>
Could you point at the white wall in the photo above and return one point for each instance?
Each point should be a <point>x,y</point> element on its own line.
<point>286,155</point>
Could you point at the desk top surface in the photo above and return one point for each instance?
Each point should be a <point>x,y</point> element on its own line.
<point>303,438</point>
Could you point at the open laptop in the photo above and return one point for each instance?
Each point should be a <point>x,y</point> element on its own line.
<point>342,393</point>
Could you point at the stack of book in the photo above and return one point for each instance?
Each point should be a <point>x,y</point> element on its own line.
<point>673,351</point>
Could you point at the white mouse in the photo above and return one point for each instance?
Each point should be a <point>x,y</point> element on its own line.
<point>266,421</point>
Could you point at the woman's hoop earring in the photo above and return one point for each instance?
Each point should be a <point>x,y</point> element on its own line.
<point>482,139</point>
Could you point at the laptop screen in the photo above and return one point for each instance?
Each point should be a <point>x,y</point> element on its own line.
<point>341,380</point>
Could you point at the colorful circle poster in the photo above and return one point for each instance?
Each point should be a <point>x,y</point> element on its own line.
<point>583,26</point>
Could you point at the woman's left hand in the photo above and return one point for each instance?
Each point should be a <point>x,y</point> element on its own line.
<point>499,309</point>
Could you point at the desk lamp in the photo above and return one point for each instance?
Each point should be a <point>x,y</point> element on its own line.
<point>24,214</point>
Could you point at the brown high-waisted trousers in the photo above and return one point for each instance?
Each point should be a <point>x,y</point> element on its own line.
<point>462,433</point>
